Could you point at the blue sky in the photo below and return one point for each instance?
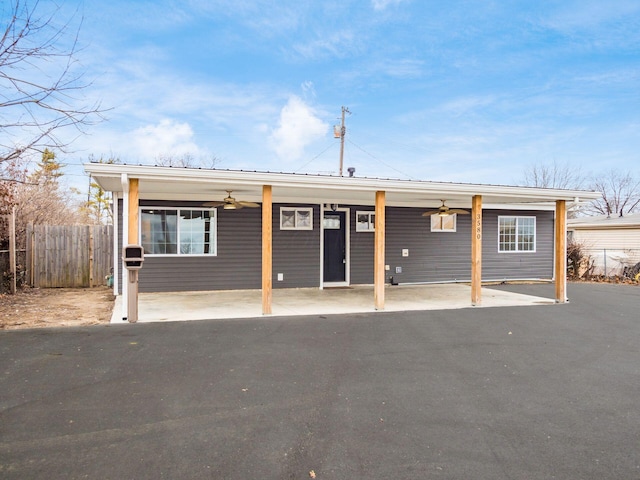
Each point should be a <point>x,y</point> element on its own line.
<point>463,91</point>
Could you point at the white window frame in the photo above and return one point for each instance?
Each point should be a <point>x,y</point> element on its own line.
<point>442,230</point>
<point>517,218</point>
<point>296,218</point>
<point>371,224</point>
<point>213,215</point>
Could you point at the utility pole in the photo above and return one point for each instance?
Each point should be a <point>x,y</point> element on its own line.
<point>343,130</point>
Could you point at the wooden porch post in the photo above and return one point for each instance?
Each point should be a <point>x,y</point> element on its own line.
<point>476,250</point>
<point>134,197</point>
<point>133,239</point>
<point>379,259</point>
<point>267,249</point>
<point>561,251</point>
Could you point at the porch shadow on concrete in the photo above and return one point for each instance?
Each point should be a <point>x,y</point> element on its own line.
<point>177,306</point>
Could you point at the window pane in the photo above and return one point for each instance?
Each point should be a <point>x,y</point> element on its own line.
<point>449,222</point>
<point>331,221</point>
<point>362,220</point>
<point>365,221</point>
<point>443,223</point>
<point>526,234</point>
<point>507,234</point>
<point>292,218</point>
<point>196,232</point>
<point>288,219</point>
<point>517,234</point>
<point>158,230</point>
<point>303,219</point>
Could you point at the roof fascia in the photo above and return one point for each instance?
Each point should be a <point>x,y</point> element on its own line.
<point>600,226</point>
<point>335,183</point>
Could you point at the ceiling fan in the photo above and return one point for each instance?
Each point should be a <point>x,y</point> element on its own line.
<point>230,203</point>
<point>443,211</point>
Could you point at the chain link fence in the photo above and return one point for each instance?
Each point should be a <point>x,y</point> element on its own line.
<point>612,262</point>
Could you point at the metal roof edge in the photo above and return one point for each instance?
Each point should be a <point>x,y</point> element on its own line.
<point>333,182</point>
<point>603,223</point>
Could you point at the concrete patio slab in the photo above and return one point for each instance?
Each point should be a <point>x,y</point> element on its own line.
<point>177,306</point>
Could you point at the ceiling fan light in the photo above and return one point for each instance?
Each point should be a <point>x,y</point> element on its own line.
<point>229,206</point>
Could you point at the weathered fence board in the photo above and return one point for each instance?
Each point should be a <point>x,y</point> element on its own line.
<point>69,255</point>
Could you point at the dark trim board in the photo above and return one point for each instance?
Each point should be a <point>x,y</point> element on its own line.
<point>431,256</point>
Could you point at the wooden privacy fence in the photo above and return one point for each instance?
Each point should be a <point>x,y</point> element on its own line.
<point>69,255</point>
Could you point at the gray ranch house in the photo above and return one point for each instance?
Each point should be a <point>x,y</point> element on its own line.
<point>209,229</point>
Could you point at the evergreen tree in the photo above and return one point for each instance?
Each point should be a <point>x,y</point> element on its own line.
<point>97,208</point>
<point>48,169</point>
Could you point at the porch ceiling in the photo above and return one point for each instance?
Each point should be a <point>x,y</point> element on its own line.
<point>167,183</point>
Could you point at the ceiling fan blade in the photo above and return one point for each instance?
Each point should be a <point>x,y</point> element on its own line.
<point>248,204</point>
<point>212,204</point>
<point>430,212</point>
<point>459,211</point>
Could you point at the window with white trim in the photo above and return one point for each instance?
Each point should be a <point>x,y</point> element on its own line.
<point>444,223</point>
<point>516,234</point>
<point>296,218</point>
<point>178,231</point>
<point>365,221</point>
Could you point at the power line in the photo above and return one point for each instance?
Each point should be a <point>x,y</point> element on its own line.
<point>378,160</point>
<point>323,151</point>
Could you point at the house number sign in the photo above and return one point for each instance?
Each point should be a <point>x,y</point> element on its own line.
<point>478,226</point>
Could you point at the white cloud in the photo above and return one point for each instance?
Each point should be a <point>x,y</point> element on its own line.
<point>341,44</point>
<point>168,138</point>
<point>308,89</point>
<point>299,126</point>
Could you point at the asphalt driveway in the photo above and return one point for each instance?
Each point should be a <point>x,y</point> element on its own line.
<point>535,392</point>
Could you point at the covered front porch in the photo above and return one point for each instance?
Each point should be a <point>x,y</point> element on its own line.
<point>265,258</point>
<point>227,304</point>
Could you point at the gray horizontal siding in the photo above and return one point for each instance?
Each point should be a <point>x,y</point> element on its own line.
<point>237,265</point>
<point>361,250</point>
<point>526,265</point>
<point>433,257</point>
<point>446,256</point>
<point>296,253</point>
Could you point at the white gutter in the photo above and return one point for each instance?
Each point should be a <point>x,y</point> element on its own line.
<point>116,254</point>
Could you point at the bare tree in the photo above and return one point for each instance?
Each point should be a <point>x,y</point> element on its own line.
<point>553,175</point>
<point>41,199</point>
<point>620,194</point>
<point>39,80</point>
<point>14,174</point>
<point>187,160</point>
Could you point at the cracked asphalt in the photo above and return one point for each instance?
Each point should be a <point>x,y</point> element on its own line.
<point>537,392</point>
